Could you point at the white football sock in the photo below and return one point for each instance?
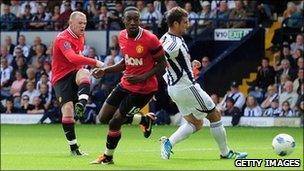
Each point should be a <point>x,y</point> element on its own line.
<point>183,132</point>
<point>219,134</point>
<point>136,119</point>
<point>109,152</point>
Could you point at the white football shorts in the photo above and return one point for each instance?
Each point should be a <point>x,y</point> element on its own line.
<point>191,99</point>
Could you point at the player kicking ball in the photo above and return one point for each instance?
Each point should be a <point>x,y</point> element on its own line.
<point>193,102</point>
<point>70,81</point>
<point>143,58</point>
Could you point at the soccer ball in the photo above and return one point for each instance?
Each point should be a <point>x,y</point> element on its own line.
<point>283,144</point>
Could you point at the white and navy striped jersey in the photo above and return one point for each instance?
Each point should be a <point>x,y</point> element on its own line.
<point>179,70</point>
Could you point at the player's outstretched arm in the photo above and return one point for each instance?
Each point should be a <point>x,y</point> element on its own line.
<point>100,72</point>
<point>159,68</point>
<point>73,57</point>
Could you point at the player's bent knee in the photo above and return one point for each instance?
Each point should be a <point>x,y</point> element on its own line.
<point>214,116</point>
<point>67,109</point>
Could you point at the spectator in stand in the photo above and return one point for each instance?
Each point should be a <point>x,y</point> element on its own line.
<point>271,95</point>
<point>280,86</point>
<point>286,111</point>
<point>21,66</point>
<point>237,96</point>
<point>115,19</point>
<point>33,5</point>
<point>45,95</point>
<point>205,64</point>
<point>110,80</point>
<point>9,45</point>
<point>140,5</point>
<point>9,106</point>
<point>286,69</point>
<point>273,110</point>
<point>18,54</point>
<point>222,13</point>
<point>17,84</point>
<point>298,44</point>
<point>40,19</point>
<point>47,69</point>
<point>233,111</point>
<point>26,18</point>
<point>286,54</point>
<point>90,113</point>
<point>54,113</point>
<point>6,19</point>
<point>6,71</point>
<point>113,55</point>
<point>44,79</point>
<point>292,17</point>
<point>25,48</point>
<point>265,75</point>
<point>49,50</point>
<point>298,54</point>
<point>25,105</point>
<point>216,100</point>
<point>204,15</point>
<point>103,18</point>
<point>31,92</point>
<point>55,17</point>
<point>152,17</point>
<point>300,63</point>
<point>15,7</point>
<point>237,13</point>
<point>79,7</point>
<point>252,108</point>
<point>300,109</point>
<point>297,83</point>
<point>37,41</point>
<point>288,95</point>
<point>192,16</point>
<point>196,65</point>
<point>38,107</point>
<point>5,54</point>
<point>64,17</point>
<point>115,43</point>
<point>39,55</point>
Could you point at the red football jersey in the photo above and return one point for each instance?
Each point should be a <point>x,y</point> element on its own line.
<point>140,55</point>
<point>66,55</point>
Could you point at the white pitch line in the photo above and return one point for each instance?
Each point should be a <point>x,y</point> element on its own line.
<point>137,150</point>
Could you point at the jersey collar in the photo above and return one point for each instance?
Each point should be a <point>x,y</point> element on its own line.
<point>72,33</point>
<point>140,32</point>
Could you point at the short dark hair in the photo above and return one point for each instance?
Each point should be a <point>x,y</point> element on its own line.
<point>176,14</point>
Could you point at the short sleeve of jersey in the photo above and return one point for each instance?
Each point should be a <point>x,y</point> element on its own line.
<point>155,46</point>
<point>171,48</point>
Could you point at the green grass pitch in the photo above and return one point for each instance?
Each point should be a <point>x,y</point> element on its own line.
<point>43,147</point>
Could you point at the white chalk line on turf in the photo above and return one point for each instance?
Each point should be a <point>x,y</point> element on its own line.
<point>131,151</point>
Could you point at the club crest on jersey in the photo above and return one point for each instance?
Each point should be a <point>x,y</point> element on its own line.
<point>67,45</point>
<point>139,49</point>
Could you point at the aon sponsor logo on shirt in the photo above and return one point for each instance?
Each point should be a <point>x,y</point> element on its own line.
<point>134,61</point>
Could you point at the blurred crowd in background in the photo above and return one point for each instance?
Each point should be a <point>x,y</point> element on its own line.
<point>26,66</point>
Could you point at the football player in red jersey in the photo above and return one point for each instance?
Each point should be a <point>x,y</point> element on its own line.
<point>143,59</point>
<point>70,81</point>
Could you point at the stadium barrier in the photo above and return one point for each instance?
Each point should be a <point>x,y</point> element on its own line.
<point>245,121</point>
<point>22,118</point>
<point>262,121</point>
